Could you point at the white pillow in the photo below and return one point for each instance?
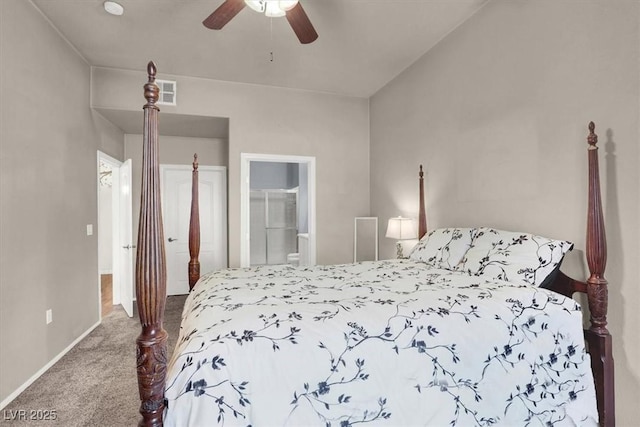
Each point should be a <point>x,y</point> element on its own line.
<point>520,258</point>
<point>443,247</point>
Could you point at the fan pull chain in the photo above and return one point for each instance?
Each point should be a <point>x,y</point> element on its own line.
<point>271,38</point>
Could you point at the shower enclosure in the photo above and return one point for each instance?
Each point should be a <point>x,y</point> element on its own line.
<point>278,213</point>
<point>274,225</point>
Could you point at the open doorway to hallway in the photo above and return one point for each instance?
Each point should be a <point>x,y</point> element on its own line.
<point>115,247</point>
<point>106,167</point>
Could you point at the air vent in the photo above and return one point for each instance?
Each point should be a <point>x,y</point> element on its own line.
<point>167,92</point>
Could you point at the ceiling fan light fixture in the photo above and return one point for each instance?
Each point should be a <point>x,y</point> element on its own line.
<point>273,10</point>
<point>287,4</point>
<point>113,8</point>
<point>257,5</point>
<point>292,9</point>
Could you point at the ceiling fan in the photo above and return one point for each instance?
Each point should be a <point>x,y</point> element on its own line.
<point>292,9</point>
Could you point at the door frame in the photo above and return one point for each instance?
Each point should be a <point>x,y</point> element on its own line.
<point>245,182</point>
<point>115,225</point>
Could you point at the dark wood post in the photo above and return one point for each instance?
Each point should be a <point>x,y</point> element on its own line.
<point>422,217</point>
<point>194,228</point>
<point>597,336</point>
<point>151,274</point>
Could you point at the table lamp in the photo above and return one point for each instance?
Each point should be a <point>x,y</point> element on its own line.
<point>400,228</point>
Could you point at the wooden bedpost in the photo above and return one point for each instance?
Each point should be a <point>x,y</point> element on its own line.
<point>422,216</point>
<point>597,336</point>
<point>194,228</point>
<point>151,277</point>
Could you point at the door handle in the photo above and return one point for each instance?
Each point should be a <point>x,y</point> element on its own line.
<point>171,239</point>
<point>129,247</point>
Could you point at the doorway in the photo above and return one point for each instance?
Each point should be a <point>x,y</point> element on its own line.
<point>277,210</point>
<point>106,219</point>
<point>115,247</point>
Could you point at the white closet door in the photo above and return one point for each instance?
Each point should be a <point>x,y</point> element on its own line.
<point>176,209</point>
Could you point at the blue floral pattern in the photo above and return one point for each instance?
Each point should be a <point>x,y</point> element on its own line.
<point>443,247</point>
<point>384,343</point>
<point>520,258</point>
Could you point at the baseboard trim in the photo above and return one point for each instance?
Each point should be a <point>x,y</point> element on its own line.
<point>46,367</point>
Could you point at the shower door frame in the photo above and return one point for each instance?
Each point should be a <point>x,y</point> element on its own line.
<point>245,192</point>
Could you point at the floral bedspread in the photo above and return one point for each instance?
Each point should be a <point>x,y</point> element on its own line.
<point>386,343</point>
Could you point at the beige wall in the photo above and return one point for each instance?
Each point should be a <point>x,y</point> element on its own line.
<point>49,138</point>
<point>498,114</point>
<point>272,120</point>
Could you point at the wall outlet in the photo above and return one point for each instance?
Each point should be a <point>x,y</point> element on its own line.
<point>49,316</point>
<point>89,229</point>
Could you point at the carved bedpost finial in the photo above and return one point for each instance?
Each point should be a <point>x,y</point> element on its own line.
<point>151,70</point>
<point>195,161</point>
<point>151,89</point>
<point>592,139</point>
<point>421,174</point>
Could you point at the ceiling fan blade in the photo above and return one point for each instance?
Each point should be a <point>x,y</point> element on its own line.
<point>301,24</point>
<point>223,14</point>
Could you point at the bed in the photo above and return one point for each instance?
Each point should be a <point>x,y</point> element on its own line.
<point>462,336</point>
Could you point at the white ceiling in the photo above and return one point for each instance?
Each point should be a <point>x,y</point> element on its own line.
<point>362,44</point>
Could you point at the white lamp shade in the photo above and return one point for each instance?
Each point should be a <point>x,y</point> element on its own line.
<point>401,229</point>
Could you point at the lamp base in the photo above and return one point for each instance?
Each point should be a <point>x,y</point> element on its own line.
<point>399,254</point>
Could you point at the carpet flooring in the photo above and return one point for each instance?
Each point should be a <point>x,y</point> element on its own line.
<point>95,384</point>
